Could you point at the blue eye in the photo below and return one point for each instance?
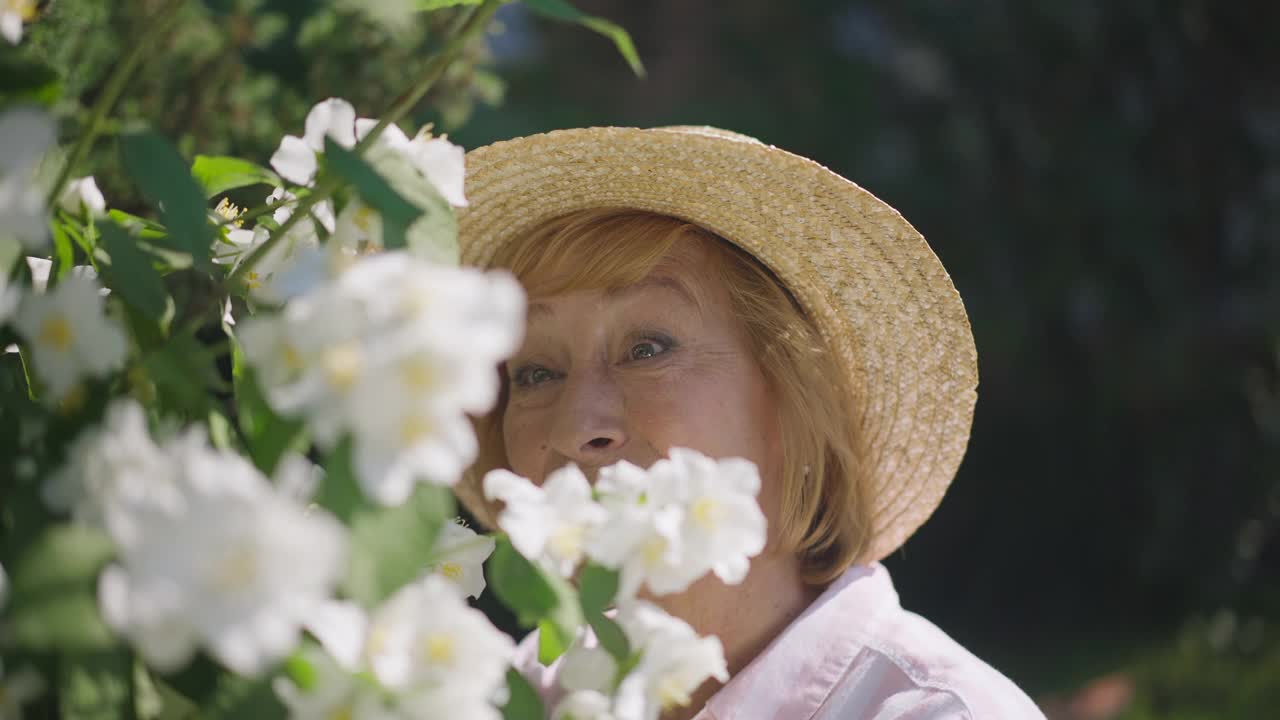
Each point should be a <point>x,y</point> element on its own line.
<point>531,375</point>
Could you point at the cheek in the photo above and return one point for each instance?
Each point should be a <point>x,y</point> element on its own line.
<point>720,413</point>
<point>525,441</point>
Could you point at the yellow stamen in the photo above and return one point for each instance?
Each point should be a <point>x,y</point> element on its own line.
<point>377,640</point>
<point>706,513</point>
<point>342,366</point>
<point>253,280</point>
<point>345,712</point>
<point>670,693</point>
<point>653,551</point>
<point>418,374</point>
<point>440,649</point>
<point>566,541</point>
<point>413,428</point>
<point>237,569</point>
<point>363,219</point>
<point>56,331</point>
<point>451,570</point>
<point>292,358</point>
<point>229,211</point>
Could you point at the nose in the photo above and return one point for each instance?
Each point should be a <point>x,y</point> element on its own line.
<point>589,427</point>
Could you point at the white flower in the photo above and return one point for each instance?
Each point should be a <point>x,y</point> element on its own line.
<point>685,516</point>
<point>459,555</point>
<point>400,442</point>
<point>275,278</point>
<point>674,662</point>
<point>422,171</point>
<point>69,336</point>
<point>641,537</point>
<point>18,689</point>
<point>435,655</point>
<point>13,13</point>
<point>332,693</point>
<point>587,668</point>
<point>25,135</point>
<point>723,523</point>
<point>438,160</point>
<point>41,268</point>
<point>548,524</point>
<point>584,705</point>
<point>219,566</point>
<point>295,159</point>
<point>111,466</point>
<point>393,351</point>
<point>426,635</point>
<point>82,194</point>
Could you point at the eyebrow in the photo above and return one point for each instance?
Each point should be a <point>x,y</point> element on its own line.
<point>660,281</point>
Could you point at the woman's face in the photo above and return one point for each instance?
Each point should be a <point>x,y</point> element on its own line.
<point>617,375</point>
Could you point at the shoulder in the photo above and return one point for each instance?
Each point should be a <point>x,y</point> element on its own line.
<point>920,673</point>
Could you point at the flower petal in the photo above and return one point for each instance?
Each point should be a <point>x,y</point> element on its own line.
<point>295,160</point>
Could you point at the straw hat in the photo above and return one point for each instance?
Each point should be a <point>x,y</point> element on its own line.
<point>867,279</point>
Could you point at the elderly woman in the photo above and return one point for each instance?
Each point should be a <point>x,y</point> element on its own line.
<point>690,287</point>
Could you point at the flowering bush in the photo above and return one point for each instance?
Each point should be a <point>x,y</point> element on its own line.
<point>229,437</point>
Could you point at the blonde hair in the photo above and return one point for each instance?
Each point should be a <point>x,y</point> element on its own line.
<point>825,515</point>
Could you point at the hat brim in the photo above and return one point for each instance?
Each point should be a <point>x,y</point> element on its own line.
<point>868,280</point>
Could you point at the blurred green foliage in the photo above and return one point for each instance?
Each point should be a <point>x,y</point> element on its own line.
<point>236,75</point>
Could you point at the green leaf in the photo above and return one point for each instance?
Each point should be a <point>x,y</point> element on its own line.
<point>390,546</point>
<point>561,10</point>
<point>520,585</point>
<point>611,636</point>
<point>186,375</point>
<point>597,587</point>
<point>53,602</point>
<point>130,273</point>
<point>218,174</point>
<point>397,213</point>
<point>166,182</point>
<point>536,597</point>
<point>23,80</point>
<point>552,641</point>
<point>95,686</point>
<point>267,434</point>
<point>523,702</point>
<point>64,241</point>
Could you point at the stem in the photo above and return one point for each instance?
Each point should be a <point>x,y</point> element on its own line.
<point>142,45</point>
<point>475,23</point>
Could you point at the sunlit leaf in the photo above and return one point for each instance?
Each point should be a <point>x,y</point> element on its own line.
<point>561,10</point>
<point>219,174</point>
